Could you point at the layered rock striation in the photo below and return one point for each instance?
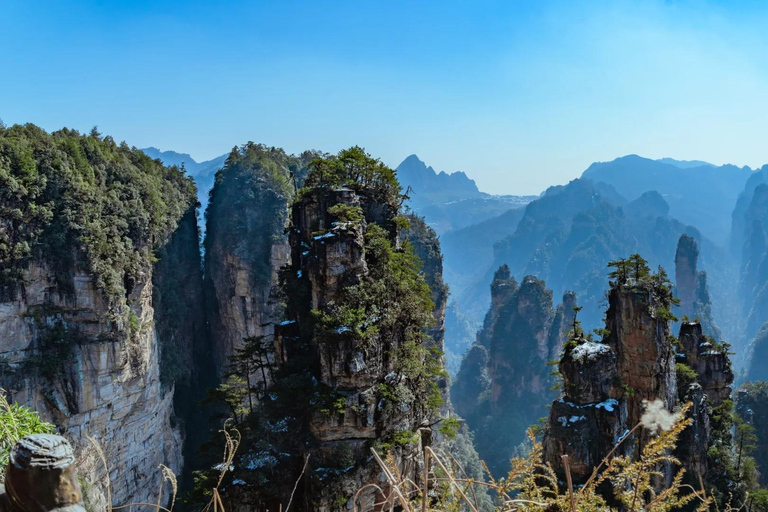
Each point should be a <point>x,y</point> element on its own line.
<point>607,383</point>
<point>82,341</point>
<point>91,376</point>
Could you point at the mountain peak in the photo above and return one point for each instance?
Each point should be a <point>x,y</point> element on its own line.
<point>428,184</point>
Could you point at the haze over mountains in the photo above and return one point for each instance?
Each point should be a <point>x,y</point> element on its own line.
<point>203,172</point>
<point>565,235</point>
<point>318,314</point>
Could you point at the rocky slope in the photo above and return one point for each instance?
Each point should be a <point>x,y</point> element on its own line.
<point>81,339</point>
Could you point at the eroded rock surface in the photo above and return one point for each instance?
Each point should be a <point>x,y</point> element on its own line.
<point>92,374</point>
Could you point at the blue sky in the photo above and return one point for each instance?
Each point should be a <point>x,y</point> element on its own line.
<point>520,95</point>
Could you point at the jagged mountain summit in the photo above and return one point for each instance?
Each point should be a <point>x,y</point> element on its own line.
<point>504,383</point>
<point>566,236</point>
<point>691,288</point>
<point>450,201</point>
<point>429,185</point>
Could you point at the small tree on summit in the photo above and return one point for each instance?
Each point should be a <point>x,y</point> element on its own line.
<point>621,274</point>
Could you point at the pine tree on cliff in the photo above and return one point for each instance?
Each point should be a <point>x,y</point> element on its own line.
<point>608,384</point>
<point>354,365</point>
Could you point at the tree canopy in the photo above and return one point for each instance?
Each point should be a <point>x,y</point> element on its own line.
<point>84,202</point>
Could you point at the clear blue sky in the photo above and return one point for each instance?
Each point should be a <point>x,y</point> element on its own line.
<point>520,95</point>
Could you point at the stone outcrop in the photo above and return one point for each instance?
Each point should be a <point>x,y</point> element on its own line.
<point>645,357</point>
<point>91,373</point>
<point>710,362</point>
<point>41,477</point>
<point>606,382</point>
<point>691,287</point>
<point>504,383</point>
<point>244,307</point>
<point>591,416</point>
<point>375,400</point>
<point>710,390</point>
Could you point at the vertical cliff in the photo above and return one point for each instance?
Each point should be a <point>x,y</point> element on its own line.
<point>691,287</point>
<point>245,243</point>
<point>186,352</point>
<point>504,382</point>
<point>80,219</point>
<point>606,383</point>
<point>357,359</point>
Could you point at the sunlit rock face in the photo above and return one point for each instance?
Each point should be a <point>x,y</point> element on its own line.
<point>608,383</point>
<point>92,373</point>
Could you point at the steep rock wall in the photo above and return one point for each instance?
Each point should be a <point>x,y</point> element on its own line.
<point>691,287</point>
<point>245,243</point>
<point>381,395</point>
<point>606,384</point>
<point>92,376</point>
<point>503,385</point>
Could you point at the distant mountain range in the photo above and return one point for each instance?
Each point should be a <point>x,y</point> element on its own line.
<point>698,193</point>
<point>203,172</point>
<point>451,201</point>
<point>564,235</point>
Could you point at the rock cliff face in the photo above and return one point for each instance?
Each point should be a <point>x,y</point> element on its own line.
<point>91,376</point>
<point>356,359</point>
<point>606,382</point>
<point>645,357</point>
<point>707,391</point>
<point>245,244</point>
<point>691,287</point>
<point>503,385</point>
<point>332,259</point>
<point>82,340</point>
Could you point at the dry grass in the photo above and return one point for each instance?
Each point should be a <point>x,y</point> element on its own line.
<point>532,484</point>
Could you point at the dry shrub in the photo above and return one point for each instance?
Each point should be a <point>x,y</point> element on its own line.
<point>532,484</point>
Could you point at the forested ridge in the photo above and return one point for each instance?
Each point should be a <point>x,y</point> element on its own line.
<point>83,201</point>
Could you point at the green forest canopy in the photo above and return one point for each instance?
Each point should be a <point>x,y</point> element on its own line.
<point>84,202</point>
